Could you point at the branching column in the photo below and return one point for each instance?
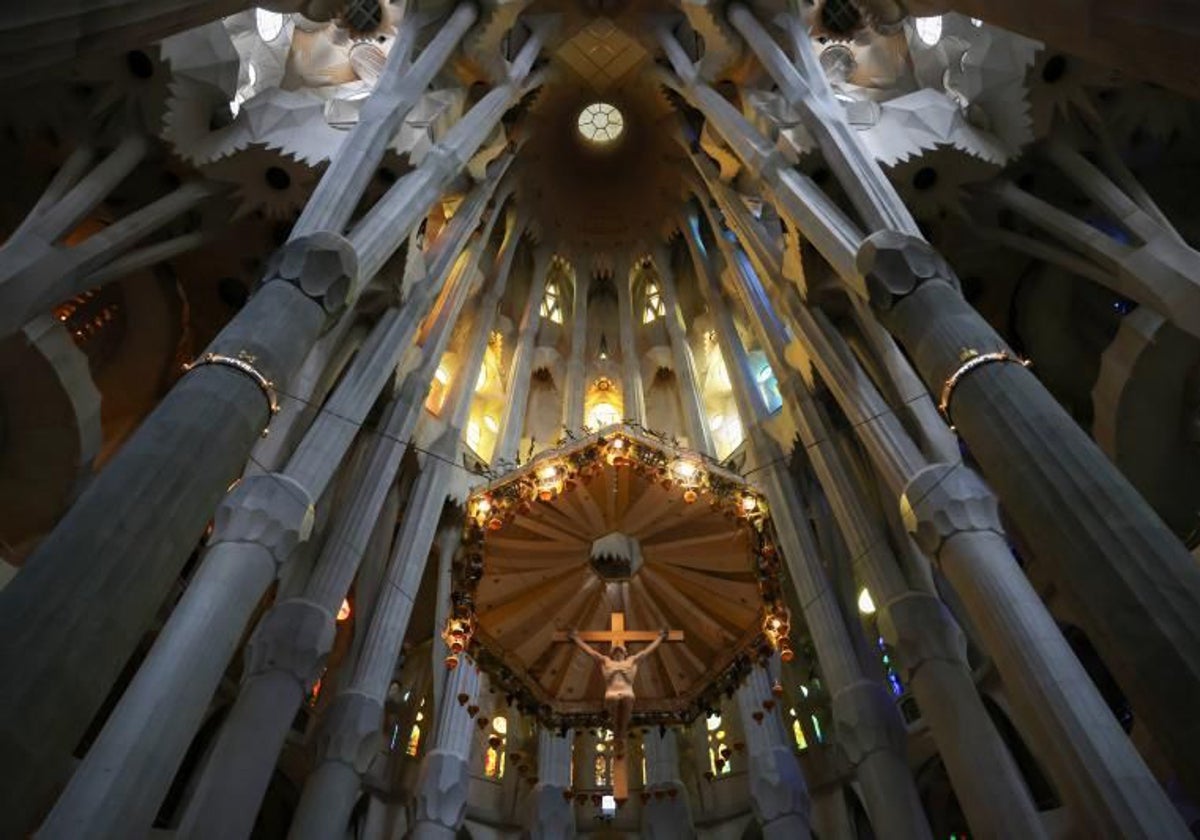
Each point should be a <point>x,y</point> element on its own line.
<point>1101,541</point>
<point>73,616</point>
<point>354,718</point>
<point>930,644</point>
<point>290,644</point>
<point>1099,773</point>
<point>869,728</point>
<point>37,271</point>
<point>1159,270</point>
<point>258,528</point>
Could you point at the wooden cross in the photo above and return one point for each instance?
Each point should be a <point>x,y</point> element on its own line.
<point>618,636</point>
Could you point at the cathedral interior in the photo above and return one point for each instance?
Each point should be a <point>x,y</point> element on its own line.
<point>611,418</point>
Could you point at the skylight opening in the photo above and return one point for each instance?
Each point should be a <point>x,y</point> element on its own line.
<point>268,23</point>
<point>600,123</point>
<point>929,29</point>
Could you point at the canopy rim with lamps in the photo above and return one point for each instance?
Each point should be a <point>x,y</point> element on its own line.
<point>542,553</point>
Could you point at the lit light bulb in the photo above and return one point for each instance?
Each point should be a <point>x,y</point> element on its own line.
<point>344,610</point>
<point>685,469</point>
<point>866,606</point>
<point>749,503</point>
<point>547,472</point>
<point>441,375</point>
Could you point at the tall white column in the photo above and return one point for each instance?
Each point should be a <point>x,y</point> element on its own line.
<point>1032,452</point>
<point>667,814</point>
<point>551,812</point>
<point>929,644</point>
<point>632,396</point>
<point>512,419</point>
<point>868,725</point>
<point>1068,725</point>
<point>777,789</point>
<point>76,612</point>
<point>699,435</point>
<point>576,383</point>
<point>354,718</point>
<point>121,782</point>
<point>441,798</point>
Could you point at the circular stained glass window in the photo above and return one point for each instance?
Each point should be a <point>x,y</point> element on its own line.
<point>601,123</point>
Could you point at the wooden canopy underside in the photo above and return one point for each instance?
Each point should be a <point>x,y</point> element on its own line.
<point>697,574</point>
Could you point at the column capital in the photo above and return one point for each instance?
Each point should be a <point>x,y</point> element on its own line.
<point>943,500</point>
<point>269,509</point>
<point>350,733</point>
<point>895,264</point>
<point>920,628</point>
<point>295,636</point>
<point>441,797</point>
<point>551,813</point>
<point>866,721</point>
<point>323,265</point>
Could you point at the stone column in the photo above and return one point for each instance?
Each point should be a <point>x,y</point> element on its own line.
<point>777,790</point>
<point>632,397</point>
<point>1088,534</point>
<point>75,613</point>
<point>576,384</point>
<point>322,366</point>
<point>666,814</point>
<point>929,644</point>
<point>37,274</point>
<point>441,798</point>
<point>512,420</point>
<point>400,87</point>
<point>1159,270</point>
<point>699,436</point>
<point>906,389</point>
<point>868,725</point>
<point>120,782</point>
<point>551,813</point>
<point>290,645</point>
<point>1055,704</point>
<point>353,724</point>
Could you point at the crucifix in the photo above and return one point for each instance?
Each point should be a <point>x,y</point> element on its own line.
<point>619,670</point>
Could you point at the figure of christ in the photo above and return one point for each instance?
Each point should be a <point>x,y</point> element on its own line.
<point>619,670</point>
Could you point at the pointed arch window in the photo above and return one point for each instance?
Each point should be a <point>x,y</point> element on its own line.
<point>719,753</point>
<point>493,762</point>
<point>768,387</point>
<point>602,764</point>
<point>654,305</point>
<point>552,303</point>
<point>414,735</point>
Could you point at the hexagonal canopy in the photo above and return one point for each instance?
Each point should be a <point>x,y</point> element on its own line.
<point>618,522</point>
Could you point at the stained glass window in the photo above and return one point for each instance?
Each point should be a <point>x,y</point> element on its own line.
<point>601,123</point>
<point>654,304</point>
<point>493,766</point>
<point>551,303</point>
<point>602,764</point>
